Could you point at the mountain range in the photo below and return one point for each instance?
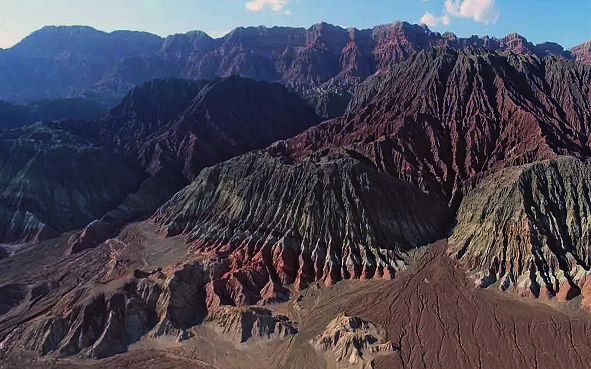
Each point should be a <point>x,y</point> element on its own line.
<point>329,197</point>
<point>77,61</point>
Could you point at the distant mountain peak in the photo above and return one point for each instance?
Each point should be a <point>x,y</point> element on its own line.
<point>582,52</point>
<point>79,58</point>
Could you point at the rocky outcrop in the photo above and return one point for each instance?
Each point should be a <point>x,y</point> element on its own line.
<point>241,324</point>
<point>353,342</point>
<point>100,325</point>
<point>582,52</point>
<point>185,299</point>
<point>265,219</point>
<point>527,228</point>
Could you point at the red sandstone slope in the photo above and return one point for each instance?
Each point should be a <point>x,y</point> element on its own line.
<point>443,120</point>
<point>582,52</point>
<point>448,116</point>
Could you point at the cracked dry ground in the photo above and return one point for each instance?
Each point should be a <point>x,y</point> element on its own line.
<point>431,312</point>
<point>438,319</point>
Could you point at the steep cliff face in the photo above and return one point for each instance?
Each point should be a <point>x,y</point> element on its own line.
<point>582,52</point>
<point>447,116</point>
<point>174,128</point>
<point>268,220</point>
<point>304,59</point>
<point>528,227</point>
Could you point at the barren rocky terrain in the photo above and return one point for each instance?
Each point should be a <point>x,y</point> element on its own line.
<point>440,222</point>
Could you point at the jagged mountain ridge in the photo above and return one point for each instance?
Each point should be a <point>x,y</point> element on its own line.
<point>306,58</point>
<point>71,61</point>
<point>447,117</point>
<point>139,140</point>
<point>443,120</point>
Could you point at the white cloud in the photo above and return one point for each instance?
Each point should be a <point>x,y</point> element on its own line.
<point>483,11</point>
<point>258,5</point>
<point>288,13</point>
<point>433,20</point>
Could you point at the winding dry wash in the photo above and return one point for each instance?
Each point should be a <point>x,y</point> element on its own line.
<point>295,198</point>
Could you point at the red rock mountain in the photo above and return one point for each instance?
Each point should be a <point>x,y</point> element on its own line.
<point>582,53</point>
<point>355,243</point>
<point>56,176</point>
<point>93,64</point>
<point>178,136</point>
<point>449,116</point>
<point>305,58</point>
<point>307,209</point>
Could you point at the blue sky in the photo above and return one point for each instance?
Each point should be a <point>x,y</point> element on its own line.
<point>567,22</point>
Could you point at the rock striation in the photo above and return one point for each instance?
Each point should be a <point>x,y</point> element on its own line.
<point>267,220</point>
<point>447,117</point>
<point>527,228</point>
